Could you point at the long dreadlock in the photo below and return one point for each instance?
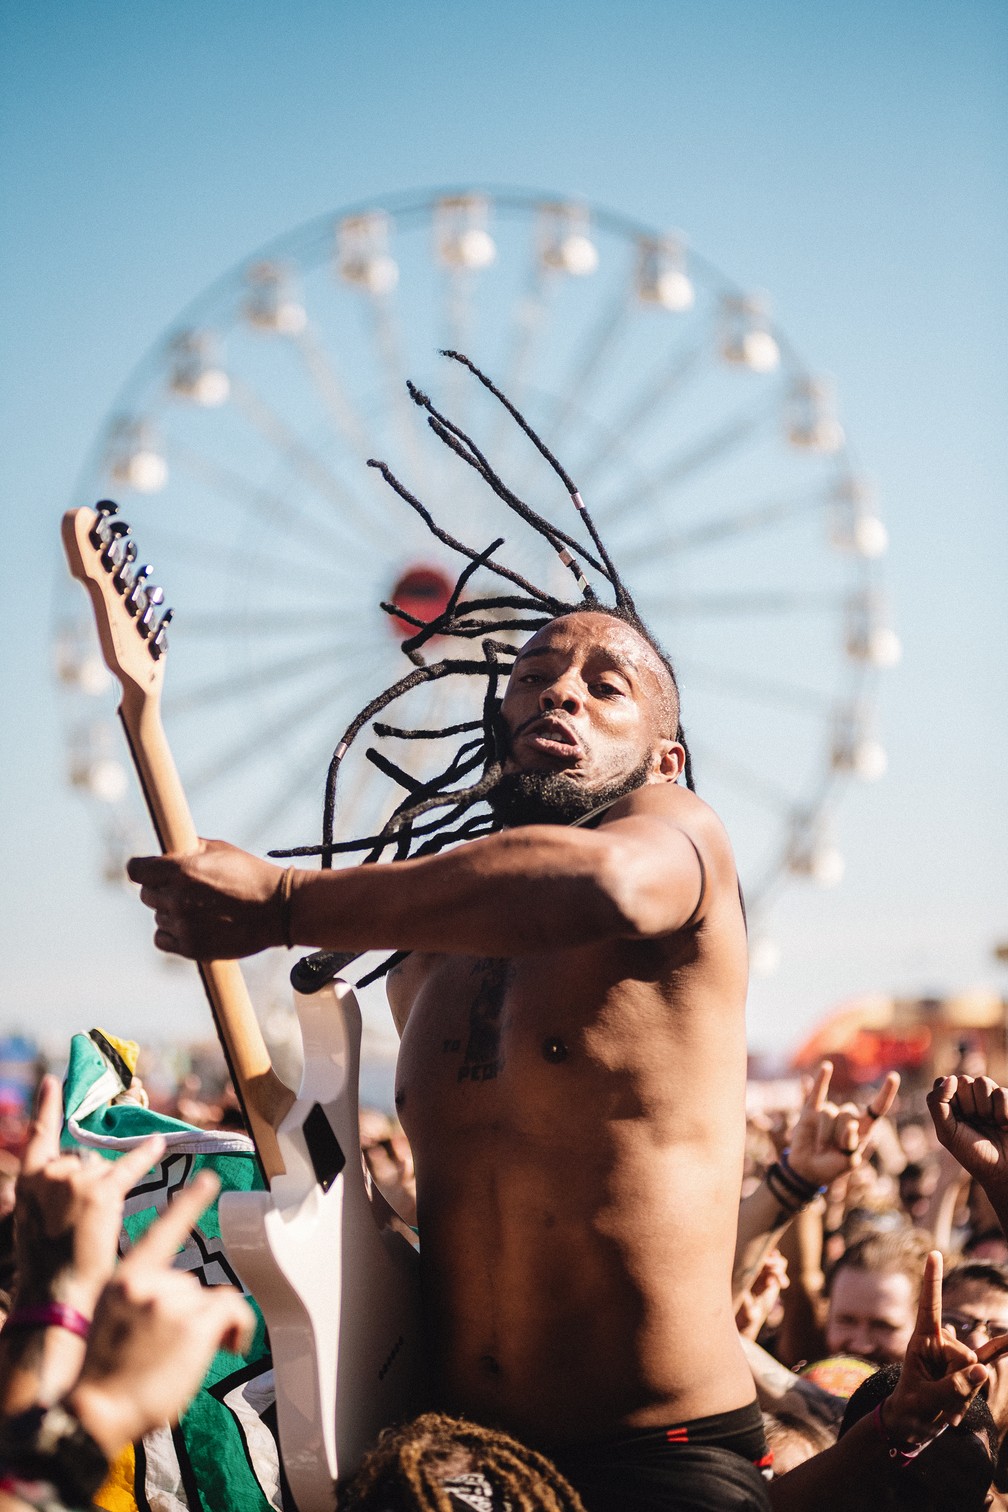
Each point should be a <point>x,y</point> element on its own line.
<point>484,618</point>
<point>408,1464</point>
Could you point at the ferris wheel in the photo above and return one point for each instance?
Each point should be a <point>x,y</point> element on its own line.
<point>710,455</point>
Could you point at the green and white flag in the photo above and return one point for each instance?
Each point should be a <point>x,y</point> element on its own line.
<point>223,1456</point>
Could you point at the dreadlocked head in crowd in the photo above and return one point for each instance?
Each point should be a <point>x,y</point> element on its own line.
<point>520,607</point>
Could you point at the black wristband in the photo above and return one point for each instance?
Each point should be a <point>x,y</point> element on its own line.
<point>49,1443</point>
<point>784,1193</point>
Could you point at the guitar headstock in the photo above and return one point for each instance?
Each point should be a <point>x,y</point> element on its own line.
<point>132,622</point>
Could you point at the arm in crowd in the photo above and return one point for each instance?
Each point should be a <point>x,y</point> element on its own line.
<point>970,1115</point>
<point>827,1141</point>
<point>938,1381</point>
<point>780,1390</point>
<point>67,1215</point>
<point>154,1332</point>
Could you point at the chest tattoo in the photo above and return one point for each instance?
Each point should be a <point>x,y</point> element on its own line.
<point>482,1060</point>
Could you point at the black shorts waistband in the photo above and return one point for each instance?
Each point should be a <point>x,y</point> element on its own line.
<point>740,1431</point>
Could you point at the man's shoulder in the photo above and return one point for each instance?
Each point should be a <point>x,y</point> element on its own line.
<point>675,807</point>
<point>672,803</point>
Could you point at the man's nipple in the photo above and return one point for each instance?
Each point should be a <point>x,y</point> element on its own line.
<point>554,1051</point>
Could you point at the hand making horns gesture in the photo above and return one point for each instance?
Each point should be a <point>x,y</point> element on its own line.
<point>827,1141</point>
<point>156,1329</point>
<point>68,1209</point>
<point>940,1376</point>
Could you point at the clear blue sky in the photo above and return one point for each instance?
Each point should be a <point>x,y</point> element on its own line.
<point>850,159</point>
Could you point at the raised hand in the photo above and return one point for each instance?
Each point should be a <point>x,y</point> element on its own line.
<point>829,1140</point>
<point>68,1211</point>
<point>970,1115</point>
<point>940,1376</point>
<point>760,1297</point>
<point>217,904</point>
<point>155,1331</point>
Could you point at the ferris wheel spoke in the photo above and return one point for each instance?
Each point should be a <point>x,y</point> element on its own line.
<point>263,824</point>
<point>458,317</point>
<point>224,626</point>
<point>350,423</point>
<point>394,373</point>
<point>777,601</point>
<point>600,342</point>
<point>713,448</point>
<point>215,557</point>
<point>744,778</point>
<point>258,741</point>
<point>266,504</point>
<point>813,701</point>
<point>343,412</point>
<point>660,390</point>
<point>528,316</point>
<point>235,686</point>
<point>746,521</point>
<point>301,459</point>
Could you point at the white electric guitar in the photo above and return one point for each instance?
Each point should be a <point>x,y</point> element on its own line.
<point>337,1282</point>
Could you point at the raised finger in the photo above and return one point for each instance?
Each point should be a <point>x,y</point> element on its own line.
<point>983,1088</point>
<point>884,1098</point>
<point>166,1234</point>
<point>43,1138</point>
<point>232,1320</point>
<point>128,1169</point>
<point>959,1390</point>
<point>825,1119</point>
<point>994,1349</point>
<point>965,1100</point>
<point>929,1315</point>
<point>820,1085</point>
<point>847,1128</point>
<point>999,1107</point>
<point>939,1102</point>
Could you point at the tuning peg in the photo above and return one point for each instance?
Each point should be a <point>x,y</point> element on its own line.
<point>136,598</point>
<point>114,536</point>
<point>98,534</point>
<point>158,643</point>
<point>122,578</point>
<point>153,596</point>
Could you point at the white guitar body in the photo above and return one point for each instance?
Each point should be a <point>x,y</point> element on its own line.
<point>339,1287</point>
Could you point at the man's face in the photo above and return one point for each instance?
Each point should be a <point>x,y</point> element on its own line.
<point>976,1310</point>
<point>871,1314</point>
<point>587,713</point>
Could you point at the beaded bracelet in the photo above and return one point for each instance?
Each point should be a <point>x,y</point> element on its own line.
<point>50,1315</point>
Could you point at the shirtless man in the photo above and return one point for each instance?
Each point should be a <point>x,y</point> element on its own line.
<point>572,988</point>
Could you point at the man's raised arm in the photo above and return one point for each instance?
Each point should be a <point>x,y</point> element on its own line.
<point>640,875</point>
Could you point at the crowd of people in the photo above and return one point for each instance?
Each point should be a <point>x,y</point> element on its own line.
<point>870,1284</point>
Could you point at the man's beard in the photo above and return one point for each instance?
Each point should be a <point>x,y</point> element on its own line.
<point>557,797</point>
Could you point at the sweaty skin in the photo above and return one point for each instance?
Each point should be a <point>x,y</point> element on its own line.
<point>572,1068</point>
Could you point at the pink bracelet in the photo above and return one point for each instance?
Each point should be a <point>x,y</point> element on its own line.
<point>902,1457</point>
<point>50,1315</point>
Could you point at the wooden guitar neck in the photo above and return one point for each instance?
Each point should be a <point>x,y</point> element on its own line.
<point>100,558</point>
